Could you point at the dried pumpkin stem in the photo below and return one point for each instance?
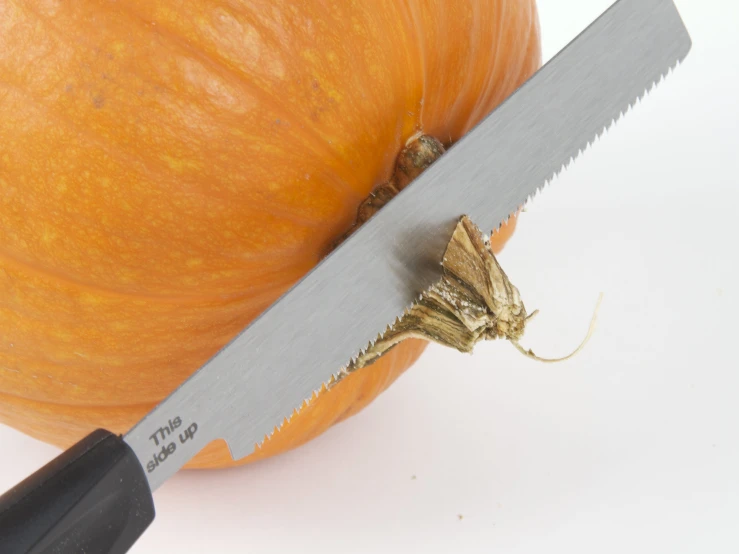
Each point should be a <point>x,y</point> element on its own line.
<point>473,301</point>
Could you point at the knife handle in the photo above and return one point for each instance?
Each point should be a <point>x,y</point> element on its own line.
<point>92,498</point>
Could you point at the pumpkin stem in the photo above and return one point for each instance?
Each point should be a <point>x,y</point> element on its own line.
<point>473,301</point>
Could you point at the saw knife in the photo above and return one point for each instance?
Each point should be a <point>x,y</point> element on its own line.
<point>97,496</point>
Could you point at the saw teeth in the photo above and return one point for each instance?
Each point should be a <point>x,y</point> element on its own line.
<point>334,377</point>
<point>295,412</point>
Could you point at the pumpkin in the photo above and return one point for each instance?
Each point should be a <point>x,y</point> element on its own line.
<point>169,169</point>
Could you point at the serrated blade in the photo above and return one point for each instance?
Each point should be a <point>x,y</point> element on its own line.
<point>249,388</point>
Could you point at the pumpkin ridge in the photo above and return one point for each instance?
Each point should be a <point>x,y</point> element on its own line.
<point>484,100</point>
<point>39,269</point>
<point>34,268</point>
<point>456,110</point>
<point>146,405</point>
<point>234,297</point>
<point>407,14</point>
<point>422,60</point>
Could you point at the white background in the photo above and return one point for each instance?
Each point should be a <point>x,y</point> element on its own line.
<point>633,446</point>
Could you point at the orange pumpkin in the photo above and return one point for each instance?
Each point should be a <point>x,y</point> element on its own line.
<point>168,169</point>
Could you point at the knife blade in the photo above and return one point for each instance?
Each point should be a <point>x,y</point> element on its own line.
<point>250,388</point>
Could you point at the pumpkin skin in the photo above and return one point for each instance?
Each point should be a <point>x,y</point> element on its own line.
<point>168,170</point>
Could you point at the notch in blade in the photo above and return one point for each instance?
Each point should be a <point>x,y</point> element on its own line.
<point>247,390</point>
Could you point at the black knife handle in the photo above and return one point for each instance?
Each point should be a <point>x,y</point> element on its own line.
<point>93,498</point>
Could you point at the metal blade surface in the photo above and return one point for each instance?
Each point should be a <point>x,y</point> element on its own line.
<point>248,389</point>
